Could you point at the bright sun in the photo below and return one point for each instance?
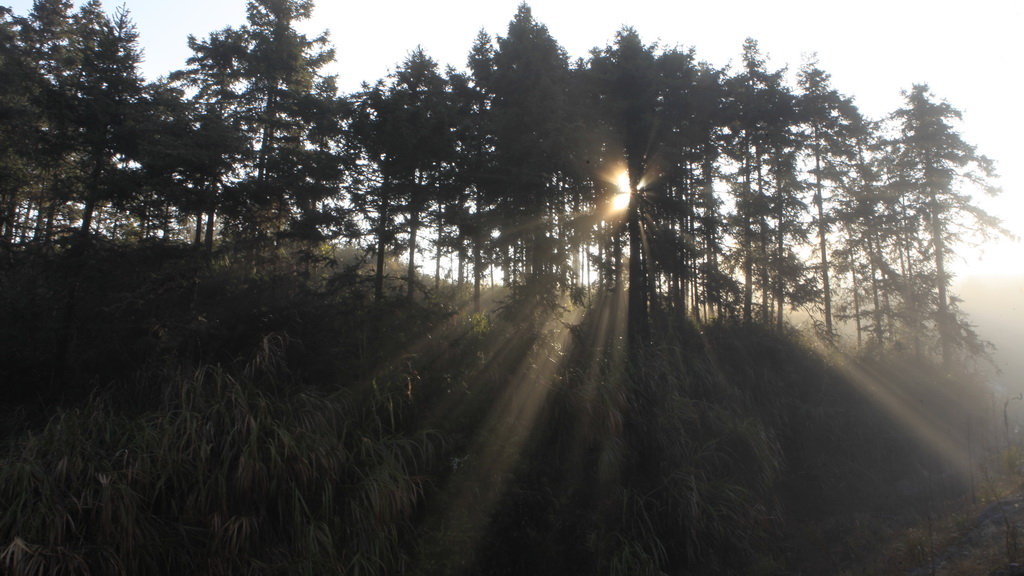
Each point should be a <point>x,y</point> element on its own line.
<point>621,200</point>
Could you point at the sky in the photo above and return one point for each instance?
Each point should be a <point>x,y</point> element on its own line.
<point>873,49</point>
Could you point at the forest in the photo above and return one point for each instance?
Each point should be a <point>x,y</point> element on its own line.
<point>624,314</point>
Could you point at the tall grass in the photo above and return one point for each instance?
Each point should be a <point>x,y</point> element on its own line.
<point>740,438</point>
<point>718,451</point>
<point>238,471</point>
<point>677,480</point>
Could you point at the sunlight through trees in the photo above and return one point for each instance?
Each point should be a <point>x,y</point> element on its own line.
<point>499,169</point>
<point>531,303</point>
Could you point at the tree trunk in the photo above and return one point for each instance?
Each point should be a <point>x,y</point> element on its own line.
<point>39,228</point>
<point>382,230</point>
<point>51,215</point>
<point>780,251</point>
<point>710,233</point>
<point>943,319</point>
<point>208,240</point>
<point>748,241</point>
<point>856,308</point>
<point>638,320</point>
<point>879,329</point>
<point>93,191</point>
<point>90,207</point>
<point>9,217</point>
<point>198,238</point>
<point>414,226</point>
<point>437,257</point>
<point>478,273</point>
<point>617,258</point>
<point>780,307</point>
<point>461,280</point>
<point>819,202</point>
<point>748,282</point>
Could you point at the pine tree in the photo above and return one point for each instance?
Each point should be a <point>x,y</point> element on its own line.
<point>18,125</point>
<point>105,96</point>
<point>475,150</point>
<point>753,131</point>
<point>832,124</point>
<point>265,79</point>
<point>528,88</point>
<point>187,153</point>
<point>682,190</point>
<point>937,172</point>
<point>863,216</point>
<point>405,127</point>
<point>629,93</point>
<point>213,75</point>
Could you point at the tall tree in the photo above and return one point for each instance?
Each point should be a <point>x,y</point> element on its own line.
<point>629,95</point>
<point>682,186</point>
<point>528,88</point>
<point>863,214</point>
<point>832,124</point>
<point>708,143</point>
<point>475,151</point>
<point>937,172</point>
<point>213,75</point>
<point>377,194</point>
<point>44,40</point>
<point>405,126</point>
<point>752,127</point>
<point>266,78</point>
<point>105,95</point>
<point>18,122</point>
<point>187,153</point>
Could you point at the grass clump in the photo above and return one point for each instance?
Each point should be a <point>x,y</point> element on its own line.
<point>238,471</point>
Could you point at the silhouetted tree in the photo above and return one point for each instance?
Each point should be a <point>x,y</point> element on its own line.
<point>751,126</point>
<point>405,127</point>
<point>265,77</point>
<point>45,145</point>
<point>105,97</point>
<point>18,122</point>
<point>528,87</point>
<point>832,124</point>
<point>475,170</point>
<point>935,172</point>
<point>213,73</point>
<point>629,94</point>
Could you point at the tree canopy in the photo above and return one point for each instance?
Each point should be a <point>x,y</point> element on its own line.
<point>504,171</point>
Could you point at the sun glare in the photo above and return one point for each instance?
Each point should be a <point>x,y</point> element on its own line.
<point>621,200</point>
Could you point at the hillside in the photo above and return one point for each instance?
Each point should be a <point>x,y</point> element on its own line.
<point>531,316</point>
<point>211,421</point>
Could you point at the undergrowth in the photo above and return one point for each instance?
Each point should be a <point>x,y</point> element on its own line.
<point>235,472</point>
<point>194,417</point>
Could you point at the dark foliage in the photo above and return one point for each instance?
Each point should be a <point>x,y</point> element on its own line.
<point>626,398</point>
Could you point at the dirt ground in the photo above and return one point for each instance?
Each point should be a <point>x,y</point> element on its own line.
<point>992,543</point>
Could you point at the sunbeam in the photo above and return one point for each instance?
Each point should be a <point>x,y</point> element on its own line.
<point>475,490</point>
<point>921,415</point>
